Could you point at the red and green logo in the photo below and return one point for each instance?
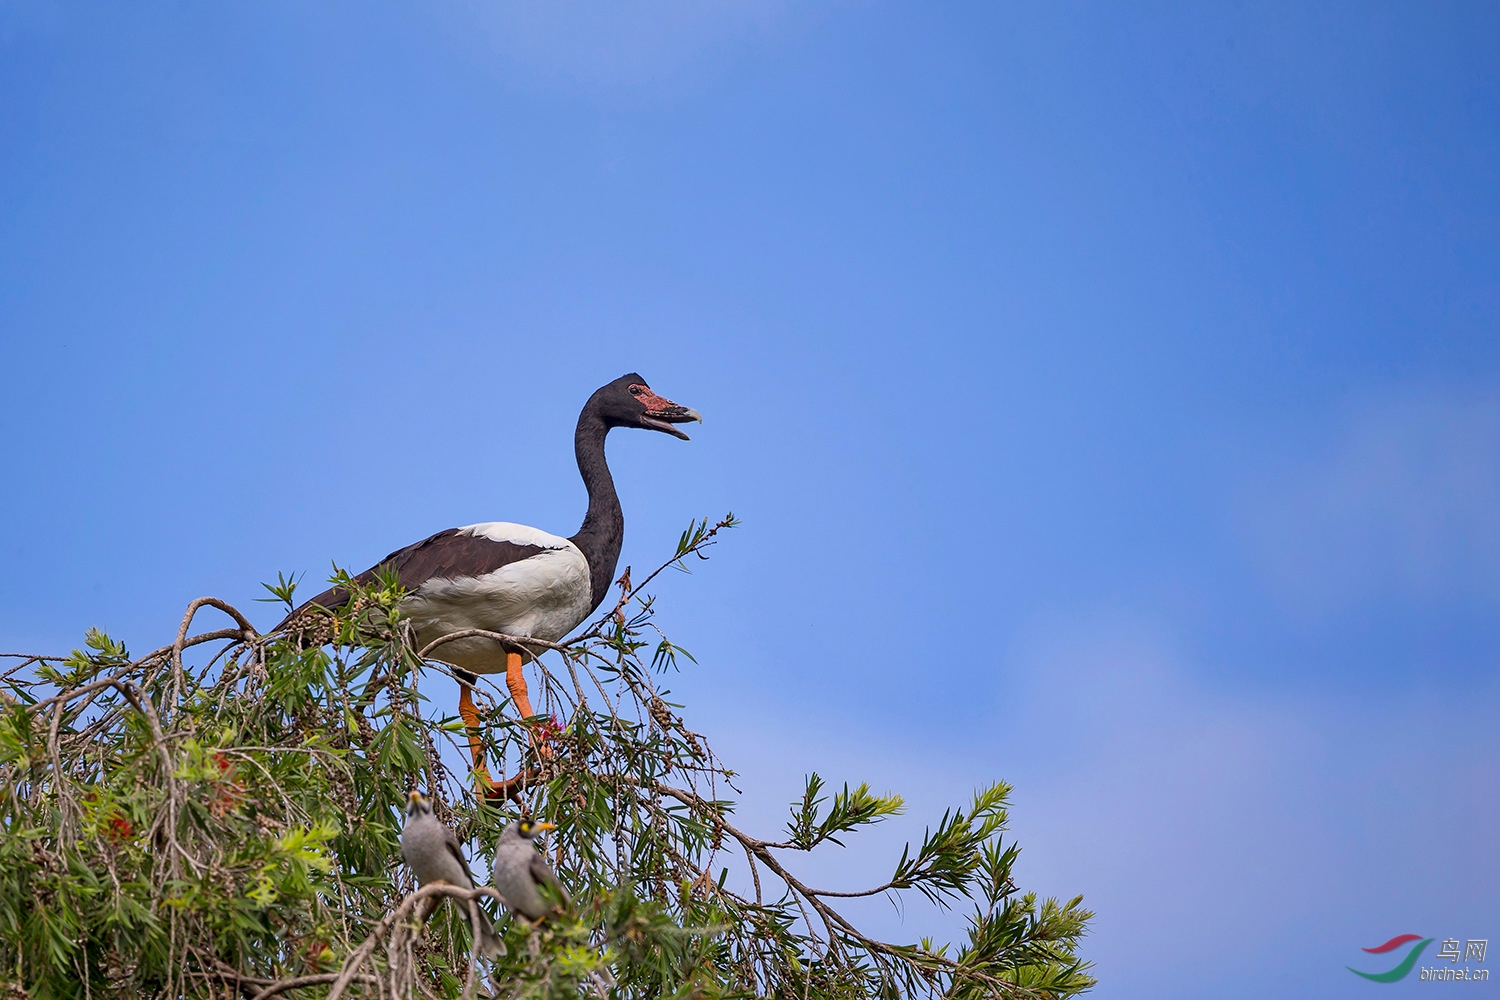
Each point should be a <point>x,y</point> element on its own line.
<point>1402,967</point>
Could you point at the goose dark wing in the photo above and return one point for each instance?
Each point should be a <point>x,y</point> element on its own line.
<point>447,555</point>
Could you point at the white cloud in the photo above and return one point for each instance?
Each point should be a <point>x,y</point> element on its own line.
<point>1405,503</point>
<point>1184,818</point>
<point>1232,845</point>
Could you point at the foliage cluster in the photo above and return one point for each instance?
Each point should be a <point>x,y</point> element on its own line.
<point>228,825</point>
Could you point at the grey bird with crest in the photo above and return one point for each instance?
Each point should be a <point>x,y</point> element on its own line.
<point>522,874</point>
<point>432,852</point>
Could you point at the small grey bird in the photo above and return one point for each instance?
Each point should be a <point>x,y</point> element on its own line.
<point>431,850</point>
<point>521,873</point>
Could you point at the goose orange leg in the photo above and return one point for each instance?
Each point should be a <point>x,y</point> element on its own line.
<point>488,787</point>
<point>470,715</point>
<point>515,680</point>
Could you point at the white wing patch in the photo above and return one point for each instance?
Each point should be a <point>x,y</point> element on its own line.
<point>543,597</point>
<point>518,534</point>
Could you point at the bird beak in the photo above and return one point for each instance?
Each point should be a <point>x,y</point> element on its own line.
<point>544,826</point>
<point>661,414</point>
<point>414,797</point>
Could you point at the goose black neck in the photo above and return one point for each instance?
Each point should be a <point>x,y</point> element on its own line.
<point>603,529</point>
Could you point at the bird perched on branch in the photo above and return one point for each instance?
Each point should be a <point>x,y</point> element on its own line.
<point>522,874</point>
<point>432,852</point>
<point>517,580</point>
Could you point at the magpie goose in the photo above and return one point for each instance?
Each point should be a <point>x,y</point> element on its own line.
<point>518,580</point>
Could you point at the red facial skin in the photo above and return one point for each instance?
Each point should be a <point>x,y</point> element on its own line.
<point>655,405</point>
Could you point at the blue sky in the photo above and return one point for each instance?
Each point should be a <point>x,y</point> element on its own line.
<point>1111,395</point>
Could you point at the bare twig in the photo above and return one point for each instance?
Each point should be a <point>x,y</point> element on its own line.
<point>317,979</point>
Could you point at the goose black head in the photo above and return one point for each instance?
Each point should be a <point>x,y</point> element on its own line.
<point>629,402</point>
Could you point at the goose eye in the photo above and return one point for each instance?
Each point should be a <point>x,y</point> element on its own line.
<point>635,390</point>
